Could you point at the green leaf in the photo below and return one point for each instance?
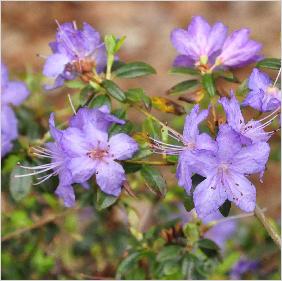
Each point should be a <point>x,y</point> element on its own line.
<point>114,90</point>
<point>208,84</point>
<point>128,263</point>
<point>85,94</point>
<point>171,267</point>
<point>131,167</point>
<point>187,267</point>
<point>243,89</point>
<point>184,70</point>
<point>134,69</point>
<point>171,252</point>
<point>99,101</point>
<point>227,75</point>
<point>138,95</point>
<point>119,43</point>
<point>10,162</point>
<point>188,202</point>
<point>225,208</point>
<point>104,200</point>
<point>110,43</point>
<point>126,128</point>
<point>191,232</point>
<point>154,179</point>
<point>271,63</point>
<point>151,127</point>
<point>183,87</point>
<point>75,84</point>
<point>208,247</point>
<point>142,153</point>
<point>19,187</point>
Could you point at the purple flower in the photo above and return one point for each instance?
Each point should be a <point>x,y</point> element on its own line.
<point>250,132</point>
<point>191,143</point>
<point>238,50</point>
<point>75,53</point>
<point>61,157</point>
<point>199,43</point>
<point>263,96</point>
<point>222,231</point>
<point>12,93</point>
<point>225,172</point>
<point>242,267</point>
<point>91,152</point>
<point>54,152</point>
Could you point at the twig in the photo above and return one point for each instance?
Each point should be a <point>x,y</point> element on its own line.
<point>158,121</point>
<point>240,216</point>
<point>153,163</point>
<point>268,226</point>
<point>42,222</point>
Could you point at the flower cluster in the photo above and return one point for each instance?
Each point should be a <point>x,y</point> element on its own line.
<point>13,93</point>
<point>84,149</point>
<point>239,150</point>
<point>75,53</point>
<point>204,45</point>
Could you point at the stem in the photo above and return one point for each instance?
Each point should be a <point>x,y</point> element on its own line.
<point>154,163</point>
<point>268,226</point>
<point>42,222</point>
<point>158,121</point>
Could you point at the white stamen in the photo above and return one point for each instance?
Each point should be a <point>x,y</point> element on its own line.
<point>277,77</point>
<point>34,173</point>
<point>66,39</point>
<point>71,104</point>
<point>45,178</point>
<point>266,117</point>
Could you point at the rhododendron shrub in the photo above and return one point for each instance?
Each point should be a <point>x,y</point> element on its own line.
<point>98,161</point>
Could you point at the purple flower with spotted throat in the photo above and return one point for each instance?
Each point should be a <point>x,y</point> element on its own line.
<point>13,93</point>
<point>91,151</point>
<point>76,52</point>
<point>263,95</point>
<point>225,172</point>
<point>191,143</point>
<point>63,159</point>
<point>251,131</point>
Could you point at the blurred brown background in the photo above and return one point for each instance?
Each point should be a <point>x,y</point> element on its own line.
<point>27,27</point>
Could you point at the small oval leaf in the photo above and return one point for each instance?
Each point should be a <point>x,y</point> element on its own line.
<point>184,70</point>
<point>271,63</point>
<point>19,187</point>
<point>104,200</point>
<point>208,84</point>
<point>134,69</point>
<point>154,179</point>
<point>183,87</point>
<point>114,90</point>
<point>99,101</point>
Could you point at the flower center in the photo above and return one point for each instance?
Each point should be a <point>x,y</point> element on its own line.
<point>272,91</point>
<point>190,145</point>
<point>97,154</point>
<point>223,167</point>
